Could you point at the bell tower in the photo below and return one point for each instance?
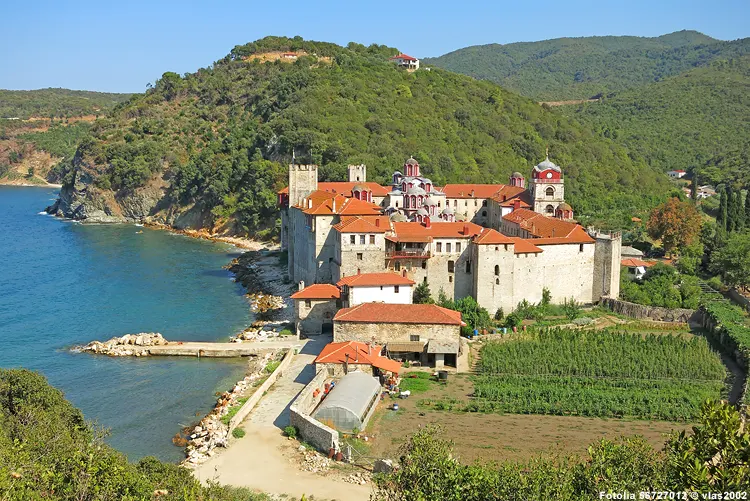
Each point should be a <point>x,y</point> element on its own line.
<point>303,180</point>
<point>547,187</point>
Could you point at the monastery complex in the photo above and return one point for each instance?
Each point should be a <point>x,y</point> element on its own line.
<point>358,248</point>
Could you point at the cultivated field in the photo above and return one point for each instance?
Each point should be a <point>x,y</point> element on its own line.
<point>594,373</point>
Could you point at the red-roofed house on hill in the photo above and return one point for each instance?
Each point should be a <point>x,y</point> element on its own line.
<point>405,61</point>
<point>423,332</point>
<point>339,359</point>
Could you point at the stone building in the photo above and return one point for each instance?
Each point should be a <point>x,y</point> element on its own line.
<point>341,358</point>
<point>499,243</point>
<point>314,308</point>
<point>424,332</point>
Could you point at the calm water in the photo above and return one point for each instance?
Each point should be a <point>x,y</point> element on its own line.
<point>64,283</point>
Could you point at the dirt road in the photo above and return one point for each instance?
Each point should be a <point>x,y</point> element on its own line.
<point>257,460</point>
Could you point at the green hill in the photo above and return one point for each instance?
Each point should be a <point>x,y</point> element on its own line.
<point>57,103</point>
<point>581,68</point>
<point>212,148</point>
<point>698,119</point>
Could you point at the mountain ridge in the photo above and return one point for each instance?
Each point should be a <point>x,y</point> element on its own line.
<point>584,67</point>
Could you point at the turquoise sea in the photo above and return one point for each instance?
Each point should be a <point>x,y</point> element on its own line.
<point>63,283</point>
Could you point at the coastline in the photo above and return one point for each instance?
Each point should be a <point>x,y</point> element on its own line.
<point>30,185</point>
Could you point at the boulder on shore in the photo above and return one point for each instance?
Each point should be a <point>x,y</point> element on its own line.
<point>125,346</point>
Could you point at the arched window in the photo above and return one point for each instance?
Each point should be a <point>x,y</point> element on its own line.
<point>550,192</point>
<point>497,270</point>
<point>497,281</point>
<point>484,213</point>
<point>549,209</point>
<point>413,201</point>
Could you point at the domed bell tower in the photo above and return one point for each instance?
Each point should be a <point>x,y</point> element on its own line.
<point>547,188</point>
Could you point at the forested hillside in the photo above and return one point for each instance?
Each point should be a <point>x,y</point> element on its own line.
<point>697,119</point>
<point>57,103</point>
<point>215,144</point>
<point>581,68</point>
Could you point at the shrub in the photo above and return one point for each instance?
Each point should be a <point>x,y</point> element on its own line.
<point>272,366</point>
<point>513,320</point>
<point>290,431</point>
<point>286,332</point>
<point>571,308</point>
<point>499,314</point>
<point>238,433</point>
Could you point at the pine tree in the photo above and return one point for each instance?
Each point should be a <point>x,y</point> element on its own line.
<point>422,294</point>
<point>723,210</point>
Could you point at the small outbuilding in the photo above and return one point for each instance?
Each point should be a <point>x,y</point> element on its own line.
<point>349,356</point>
<point>350,404</point>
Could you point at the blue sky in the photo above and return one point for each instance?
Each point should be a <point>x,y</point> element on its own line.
<point>122,46</point>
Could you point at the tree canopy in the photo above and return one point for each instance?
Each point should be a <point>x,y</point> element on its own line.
<point>205,132</point>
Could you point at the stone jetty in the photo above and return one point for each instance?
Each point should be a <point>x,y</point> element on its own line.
<point>129,345</point>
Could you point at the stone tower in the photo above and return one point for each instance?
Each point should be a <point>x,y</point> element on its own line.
<point>357,173</point>
<point>607,257</point>
<point>547,188</point>
<point>303,180</point>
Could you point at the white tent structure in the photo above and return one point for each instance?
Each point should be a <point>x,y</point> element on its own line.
<point>350,403</point>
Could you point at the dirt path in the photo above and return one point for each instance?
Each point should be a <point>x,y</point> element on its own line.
<point>260,459</point>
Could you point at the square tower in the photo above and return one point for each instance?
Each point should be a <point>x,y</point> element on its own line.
<point>357,173</point>
<point>303,180</point>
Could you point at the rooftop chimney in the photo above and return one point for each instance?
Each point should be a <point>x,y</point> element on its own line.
<point>466,229</point>
<point>333,205</point>
<point>301,284</point>
<point>427,223</point>
<point>309,203</point>
<point>359,271</point>
<point>377,222</point>
<point>516,204</point>
<point>472,193</point>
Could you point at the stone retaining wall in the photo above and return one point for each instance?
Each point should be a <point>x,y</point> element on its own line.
<point>248,406</point>
<point>718,334</point>
<point>312,431</point>
<point>655,313</point>
<point>739,299</point>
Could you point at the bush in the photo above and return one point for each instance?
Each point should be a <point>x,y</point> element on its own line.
<point>272,366</point>
<point>238,433</point>
<point>571,308</point>
<point>286,332</point>
<point>513,320</point>
<point>499,314</point>
<point>290,431</point>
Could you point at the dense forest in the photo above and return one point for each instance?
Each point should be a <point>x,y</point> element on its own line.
<point>222,136</point>
<point>582,68</point>
<point>697,120</point>
<point>56,103</point>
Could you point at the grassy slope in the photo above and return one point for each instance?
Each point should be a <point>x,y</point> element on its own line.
<point>699,118</point>
<point>205,130</point>
<point>579,68</point>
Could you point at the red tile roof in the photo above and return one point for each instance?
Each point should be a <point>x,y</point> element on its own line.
<point>635,262</point>
<point>465,190</point>
<point>345,188</point>
<point>355,352</point>
<point>374,279</point>
<point>405,57</point>
<point>427,314</point>
<point>363,224</point>
<point>494,237</point>
<point>321,203</point>
<point>547,230</point>
<point>411,230</point>
<point>318,291</point>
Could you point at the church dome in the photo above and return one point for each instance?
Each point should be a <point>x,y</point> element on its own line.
<point>429,201</point>
<point>415,191</point>
<point>422,212</point>
<point>516,175</point>
<point>360,187</point>
<point>461,217</point>
<point>397,217</point>
<point>411,161</point>
<point>547,164</point>
<point>448,211</point>
<point>564,206</point>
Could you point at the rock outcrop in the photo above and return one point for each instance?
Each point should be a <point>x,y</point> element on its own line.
<point>128,345</point>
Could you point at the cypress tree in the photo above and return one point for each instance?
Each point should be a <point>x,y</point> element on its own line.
<point>730,210</point>
<point>747,209</point>
<point>739,214</point>
<point>694,185</point>
<point>723,212</point>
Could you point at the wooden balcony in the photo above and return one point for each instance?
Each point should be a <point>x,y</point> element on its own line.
<point>408,254</point>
